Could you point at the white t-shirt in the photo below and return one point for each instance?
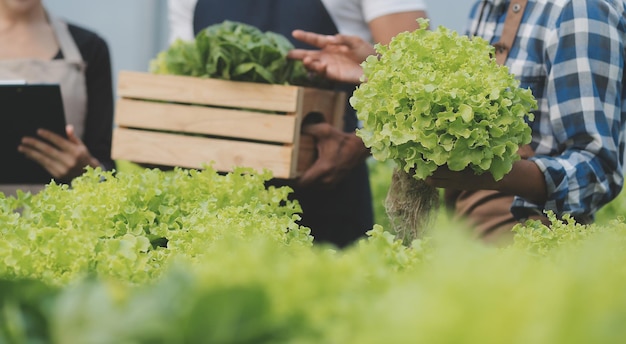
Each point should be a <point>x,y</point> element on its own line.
<point>350,16</point>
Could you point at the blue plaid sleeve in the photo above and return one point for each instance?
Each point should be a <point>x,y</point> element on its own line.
<point>579,134</point>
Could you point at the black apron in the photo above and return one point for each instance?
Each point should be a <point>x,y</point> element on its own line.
<point>337,216</point>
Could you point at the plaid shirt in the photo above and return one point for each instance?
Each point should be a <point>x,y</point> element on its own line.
<point>570,53</point>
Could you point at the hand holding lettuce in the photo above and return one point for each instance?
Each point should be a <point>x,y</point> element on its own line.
<point>435,98</point>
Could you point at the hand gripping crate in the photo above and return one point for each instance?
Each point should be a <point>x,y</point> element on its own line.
<point>188,122</point>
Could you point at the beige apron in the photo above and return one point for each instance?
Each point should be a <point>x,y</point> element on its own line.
<point>68,72</point>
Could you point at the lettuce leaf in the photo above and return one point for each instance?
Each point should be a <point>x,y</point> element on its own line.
<point>434,98</point>
<point>233,51</point>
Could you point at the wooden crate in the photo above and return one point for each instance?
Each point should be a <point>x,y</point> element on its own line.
<point>187,121</point>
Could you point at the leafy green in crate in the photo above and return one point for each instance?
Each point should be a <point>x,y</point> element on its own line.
<point>233,51</point>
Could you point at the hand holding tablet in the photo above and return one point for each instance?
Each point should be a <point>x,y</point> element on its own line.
<point>25,108</point>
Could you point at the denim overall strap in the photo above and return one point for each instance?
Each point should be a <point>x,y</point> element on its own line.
<point>511,26</point>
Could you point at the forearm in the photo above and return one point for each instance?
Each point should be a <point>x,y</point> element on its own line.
<point>386,27</point>
<point>525,180</point>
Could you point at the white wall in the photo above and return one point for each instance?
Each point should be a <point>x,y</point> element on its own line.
<point>449,13</point>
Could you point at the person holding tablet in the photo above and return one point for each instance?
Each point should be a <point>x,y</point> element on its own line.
<point>37,47</point>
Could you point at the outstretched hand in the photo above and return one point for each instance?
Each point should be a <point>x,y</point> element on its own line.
<point>63,158</point>
<point>338,58</point>
<point>338,153</point>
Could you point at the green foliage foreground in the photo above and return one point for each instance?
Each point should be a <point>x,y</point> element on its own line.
<point>197,257</point>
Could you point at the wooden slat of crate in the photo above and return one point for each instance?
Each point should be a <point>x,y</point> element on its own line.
<point>205,120</point>
<point>146,103</point>
<point>193,90</point>
<point>188,151</point>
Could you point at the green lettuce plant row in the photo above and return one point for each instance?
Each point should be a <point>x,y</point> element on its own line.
<point>128,226</point>
<point>434,98</point>
<point>201,257</point>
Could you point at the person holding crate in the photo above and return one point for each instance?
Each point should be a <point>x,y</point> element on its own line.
<point>571,54</point>
<point>334,193</point>
<point>37,47</point>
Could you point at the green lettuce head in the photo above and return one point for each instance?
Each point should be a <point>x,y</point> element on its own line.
<point>233,51</point>
<point>434,98</point>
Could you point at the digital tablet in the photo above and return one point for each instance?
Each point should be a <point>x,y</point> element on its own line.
<point>24,108</point>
